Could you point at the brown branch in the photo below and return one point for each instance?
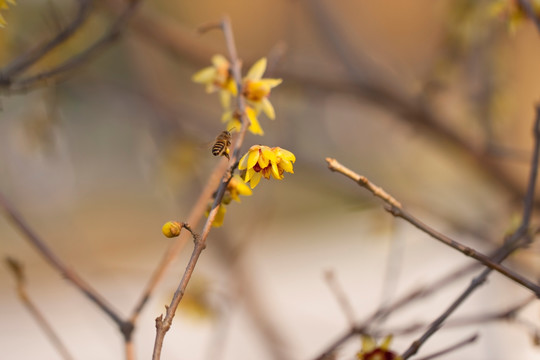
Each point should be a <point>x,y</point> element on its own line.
<point>17,220</point>
<point>528,7</point>
<point>26,60</point>
<point>163,324</point>
<point>18,272</point>
<point>125,327</point>
<point>396,209</point>
<point>24,84</point>
<point>513,242</point>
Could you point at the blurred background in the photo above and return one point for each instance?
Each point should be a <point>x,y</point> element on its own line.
<point>433,101</point>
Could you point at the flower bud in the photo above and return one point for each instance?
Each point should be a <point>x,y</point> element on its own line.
<point>171,229</point>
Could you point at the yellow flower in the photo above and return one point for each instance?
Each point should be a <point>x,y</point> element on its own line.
<point>4,6</point>
<point>263,161</point>
<point>256,89</point>
<point>220,216</point>
<point>217,77</point>
<point>234,124</point>
<point>370,350</point>
<point>237,187</point>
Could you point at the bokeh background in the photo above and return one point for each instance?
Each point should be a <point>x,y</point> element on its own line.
<point>433,101</point>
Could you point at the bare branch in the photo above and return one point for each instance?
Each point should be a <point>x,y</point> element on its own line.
<point>513,242</point>
<point>64,270</point>
<point>12,84</point>
<point>18,272</point>
<point>397,210</point>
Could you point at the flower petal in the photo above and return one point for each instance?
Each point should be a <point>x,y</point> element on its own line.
<point>230,86</point>
<point>271,83</point>
<point>205,75</point>
<point>225,99</point>
<point>254,126</point>
<point>284,154</point>
<point>242,164</point>
<point>257,70</point>
<point>253,157</point>
<point>268,108</point>
<point>286,165</point>
<point>249,174</point>
<point>275,172</point>
<point>219,61</point>
<point>255,180</point>
<point>268,154</point>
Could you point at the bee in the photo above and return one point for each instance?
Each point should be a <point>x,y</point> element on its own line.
<point>221,144</point>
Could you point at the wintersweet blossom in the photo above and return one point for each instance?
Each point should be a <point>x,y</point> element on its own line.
<point>218,77</point>
<point>4,6</point>
<point>371,351</point>
<point>234,124</point>
<point>263,161</point>
<point>235,188</point>
<point>256,89</point>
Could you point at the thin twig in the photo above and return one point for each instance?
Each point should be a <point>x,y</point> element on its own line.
<point>505,314</point>
<point>454,347</point>
<point>396,209</point>
<point>340,296</point>
<point>353,331</point>
<point>18,272</point>
<point>163,324</point>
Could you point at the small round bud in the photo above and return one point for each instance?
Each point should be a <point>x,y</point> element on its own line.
<point>171,229</point>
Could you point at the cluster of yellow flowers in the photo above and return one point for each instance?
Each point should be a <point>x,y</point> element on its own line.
<point>4,6</point>
<point>260,161</point>
<point>255,89</point>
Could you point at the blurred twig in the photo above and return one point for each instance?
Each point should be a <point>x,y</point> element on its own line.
<point>18,272</point>
<point>126,328</point>
<point>10,83</point>
<point>508,314</point>
<point>29,58</point>
<point>454,347</point>
<point>527,6</point>
<point>340,296</point>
